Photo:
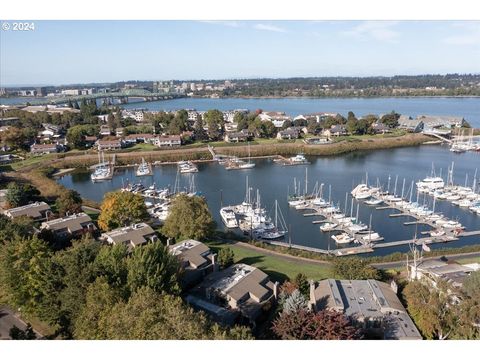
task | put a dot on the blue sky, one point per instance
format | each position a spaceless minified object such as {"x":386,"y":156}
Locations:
{"x":65,"y":52}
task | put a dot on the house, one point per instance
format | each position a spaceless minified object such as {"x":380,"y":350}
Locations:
{"x":318,"y":116}
{"x":105,"y":130}
{"x":289,"y":133}
{"x":196,"y":260}
{"x":40,"y":149}
{"x":335,"y":130}
{"x":432,"y":271}
{"x":131,"y":236}
{"x":90,"y":140}
{"x":136,"y":138}
{"x":238,"y":136}
{"x":380,"y":128}
{"x":437,"y":121}
{"x":167,"y":141}
{"x":70,"y":226}
{"x":240,"y":291}
{"x":370,"y":305}
{"x":411,"y":125}
{"x":231,"y":127}
{"x":119,"y":131}
{"x":109,"y":144}
{"x":35,"y":211}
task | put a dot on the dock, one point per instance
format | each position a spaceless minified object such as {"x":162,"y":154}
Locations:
{"x":298,"y":247}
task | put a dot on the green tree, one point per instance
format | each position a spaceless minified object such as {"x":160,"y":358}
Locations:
{"x":354,"y":268}
{"x":21,"y":194}
{"x":189,"y":218}
{"x":19,"y":334}
{"x":111,"y":262}
{"x":121,"y":208}
{"x":226,"y":257}
{"x":198,"y":130}
{"x":152,"y":265}
{"x":215,"y":123}
{"x":70,"y":202}
{"x":13,"y":137}
{"x":302,"y":284}
{"x":391,"y":120}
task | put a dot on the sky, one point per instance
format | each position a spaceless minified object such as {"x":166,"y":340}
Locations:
{"x":67,"y":52}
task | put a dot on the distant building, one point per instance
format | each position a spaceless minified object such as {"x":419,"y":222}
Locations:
{"x":70,"y":226}
{"x":238,"y":292}
{"x":105,"y":130}
{"x":370,"y":305}
{"x":238,"y":136}
{"x":131,"y":236}
{"x":436,"y":121}
{"x":380,"y":128}
{"x":40,"y":149}
{"x":35,"y":211}
{"x":116,"y":144}
{"x":411,"y":125}
{"x":135,"y":138}
{"x":196,"y":260}
{"x":288,"y":134}
{"x":335,"y":130}
{"x":167,"y":141}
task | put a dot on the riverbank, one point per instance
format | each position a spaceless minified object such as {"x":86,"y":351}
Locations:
{"x":350,"y":144}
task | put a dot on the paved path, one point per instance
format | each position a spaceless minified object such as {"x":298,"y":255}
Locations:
{"x":8,"y":319}
{"x":394,"y":264}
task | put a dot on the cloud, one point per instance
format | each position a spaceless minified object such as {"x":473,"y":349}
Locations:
{"x":470,"y":34}
{"x":229,"y":23}
{"x":267,"y":27}
{"x":378,"y":30}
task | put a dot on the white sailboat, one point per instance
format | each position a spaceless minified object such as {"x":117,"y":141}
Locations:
{"x":144,"y":169}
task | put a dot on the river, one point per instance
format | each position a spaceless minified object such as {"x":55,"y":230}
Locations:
{"x":340,"y":172}
{"x":468,"y":107}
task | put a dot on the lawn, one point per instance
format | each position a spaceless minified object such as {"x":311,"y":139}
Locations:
{"x":277,"y":268}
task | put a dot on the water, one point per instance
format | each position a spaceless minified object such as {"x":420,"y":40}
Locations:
{"x":468,"y":107}
{"x":341,"y":172}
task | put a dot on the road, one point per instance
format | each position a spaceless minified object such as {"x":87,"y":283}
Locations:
{"x":8,"y":319}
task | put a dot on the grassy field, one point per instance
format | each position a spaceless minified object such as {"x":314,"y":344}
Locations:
{"x":278,"y":268}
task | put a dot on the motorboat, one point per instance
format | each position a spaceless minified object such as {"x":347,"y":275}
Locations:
{"x":186,"y":167}
{"x":371,"y":237}
{"x":437,"y":233}
{"x":143,"y":169}
{"x":328,"y":227}
{"x":298,"y":159}
{"x":343,"y":238}
{"x":228,"y":216}
{"x":374,"y":201}
{"x":431,"y":183}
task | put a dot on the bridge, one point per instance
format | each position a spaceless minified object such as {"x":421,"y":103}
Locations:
{"x":438,"y":134}
{"x":123,"y":95}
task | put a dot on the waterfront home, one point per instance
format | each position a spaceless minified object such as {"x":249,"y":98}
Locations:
{"x":167,"y":141}
{"x":40,"y":149}
{"x":238,"y":136}
{"x":36,"y":211}
{"x":136,"y":138}
{"x":380,"y":128}
{"x":370,"y":305}
{"x":196,"y":260}
{"x":240,"y":292}
{"x":119,"y":131}
{"x":278,"y":118}
{"x":90,"y":140}
{"x":131,"y":236}
{"x":288,"y":133}
{"x":105,"y":130}
{"x":318,"y":116}
{"x":440,"y":121}
{"x":335,"y":130}
{"x":231,"y":127}
{"x":71,"y":226}
{"x":229,"y":115}
{"x":432,"y":271}
{"x":411,"y":125}
{"x":115,"y":144}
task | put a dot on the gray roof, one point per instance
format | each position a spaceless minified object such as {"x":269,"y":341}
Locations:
{"x":134,"y":235}
{"x":193,"y":253}
{"x":71,"y":223}
{"x":35,"y":210}
{"x":366,"y":299}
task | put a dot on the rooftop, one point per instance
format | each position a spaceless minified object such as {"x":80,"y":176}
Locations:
{"x":73,"y":223}
{"x":33,"y":210}
{"x":132,"y":236}
{"x":194,"y":253}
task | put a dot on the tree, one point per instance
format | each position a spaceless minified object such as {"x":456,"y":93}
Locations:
{"x":226,"y":257}
{"x":76,"y":135}
{"x":189,"y":218}
{"x":306,"y":325}
{"x":70,"y":202}
{"x":111,"y":263}
{"x":391,"y":120}
{"x":121,"y":208}
{"x":215,"y":122}
{"x":13,"y":137}
{"x":295,"y":302}
{"x":21,"y":194}
{"x":153,"y":266}
{"x":198,"y":130}
{"x":18,"y":334}
{"x":430,"y":309}
{"x":354,"y":268}
{"x":471,"y":285}
{"x":302,"y":284}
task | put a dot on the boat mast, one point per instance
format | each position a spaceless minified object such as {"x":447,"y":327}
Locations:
{"x":403,"y":187}
{"x":276,"y":205}
{"x":395,"y":189}
{"x":306,"y":181}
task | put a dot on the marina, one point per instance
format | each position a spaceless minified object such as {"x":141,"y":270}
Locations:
{"x":227,"y":188}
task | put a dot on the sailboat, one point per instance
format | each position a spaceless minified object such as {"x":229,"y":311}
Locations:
{"x":144,"y":169}
{"x":278,"y":231}
{"x":103,"y":170}
{"x":238,"y":164}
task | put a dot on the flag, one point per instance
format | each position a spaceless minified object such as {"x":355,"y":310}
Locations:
{"x":425,"y":247}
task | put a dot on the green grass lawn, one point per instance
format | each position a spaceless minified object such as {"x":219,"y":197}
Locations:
{"x":32,"y":161}
{"x":277,"y":268}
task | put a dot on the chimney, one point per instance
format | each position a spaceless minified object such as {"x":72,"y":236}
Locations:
{"x":214,"y":264}
{"x":168,"y":242}
{"x":394,"y":286}
{"x":312,"y":295}
{"x":275,"y":290}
